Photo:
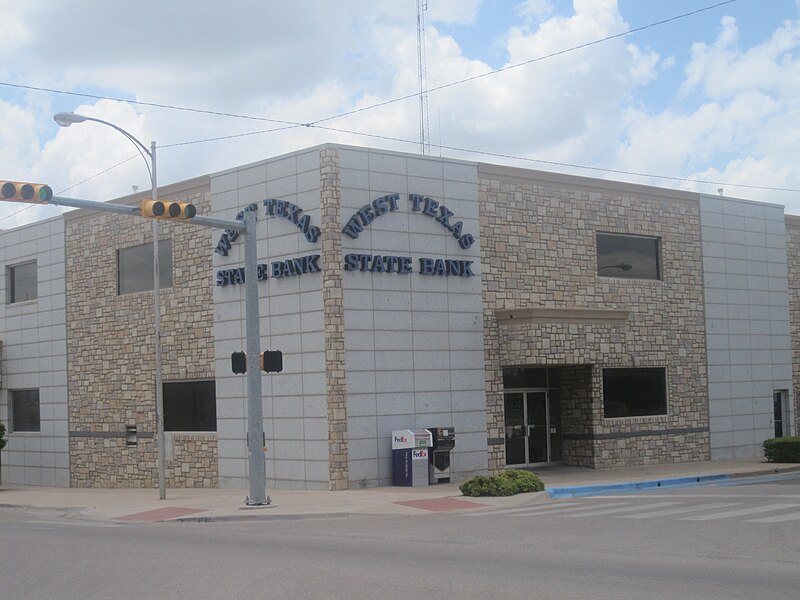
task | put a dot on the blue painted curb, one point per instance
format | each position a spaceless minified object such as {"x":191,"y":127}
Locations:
{"x":610,"y":488}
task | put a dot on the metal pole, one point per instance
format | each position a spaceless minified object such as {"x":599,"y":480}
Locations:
{"x":255,"y":410}
{"x":162,"y":490}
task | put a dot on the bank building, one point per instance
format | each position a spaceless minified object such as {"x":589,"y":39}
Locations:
{"x":540,"y":318}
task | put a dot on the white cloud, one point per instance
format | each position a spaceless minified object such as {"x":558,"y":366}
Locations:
{"x":535,"y":10}
{"x":745,"y":129}
{"x":301,"y":64}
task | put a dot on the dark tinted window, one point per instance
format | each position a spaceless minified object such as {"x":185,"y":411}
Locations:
{"x":631,"y":256}
{"x":634,"y":392}
{"x":135,"y":267}
{"x":25,"y":410}
{"x":530,"y":377}
{"x":22,"y":283}
{"x":190,"y":406}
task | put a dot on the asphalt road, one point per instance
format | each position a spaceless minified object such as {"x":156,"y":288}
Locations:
{"x":707,"y":542}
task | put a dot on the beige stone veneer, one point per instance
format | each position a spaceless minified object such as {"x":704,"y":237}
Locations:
{"x":110,"y":348}
{"x":538,"y":239}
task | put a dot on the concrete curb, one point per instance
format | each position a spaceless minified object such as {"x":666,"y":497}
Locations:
{"x":261,"y":517}
{"x":609,"y":488}
{"x":776,"y":470}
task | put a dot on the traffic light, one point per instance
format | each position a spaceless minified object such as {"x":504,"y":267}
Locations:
{"x":35,"y":193}
{"x":239,"y":363}
{"x":167,"y":209}
{"x":272,"y":361}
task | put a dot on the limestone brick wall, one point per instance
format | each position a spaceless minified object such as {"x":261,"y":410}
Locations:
{"x":333,"y":308}
{"x":194,"y":463}
{"x":793,"y":264}
{"x":110,"y":348}
{"x":539,"y":252}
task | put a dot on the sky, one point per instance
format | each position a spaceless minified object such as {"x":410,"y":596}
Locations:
{"x":629,"y":90}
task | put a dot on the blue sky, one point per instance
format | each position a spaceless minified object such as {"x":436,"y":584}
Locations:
{"x":707,"y":101}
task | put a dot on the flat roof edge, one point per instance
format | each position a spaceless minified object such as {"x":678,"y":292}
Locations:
{"x":522,"y":174}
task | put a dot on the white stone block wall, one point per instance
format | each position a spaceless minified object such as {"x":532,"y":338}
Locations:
{"x":33,"y":335}
{"x":413,"y":342}
{"x":294,"y":404}
{"x":747,"y":321}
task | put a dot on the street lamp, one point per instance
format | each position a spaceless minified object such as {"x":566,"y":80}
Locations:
{"x":65,"y":119}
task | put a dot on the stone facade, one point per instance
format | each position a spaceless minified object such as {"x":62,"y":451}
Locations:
{"x":110,"y":342}
{"x":368,"y":351}
{"x":544,"y":305}
{"x":333,"y":307}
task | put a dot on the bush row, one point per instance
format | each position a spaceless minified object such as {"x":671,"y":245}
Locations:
{"x":507,"y":483}
{"x":783,"y":449}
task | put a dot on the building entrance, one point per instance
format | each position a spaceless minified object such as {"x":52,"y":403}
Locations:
{"x":533,"y":427}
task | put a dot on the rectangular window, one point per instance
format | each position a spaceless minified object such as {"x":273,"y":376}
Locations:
{"x":638,"y":392}
{"x":25,"y":410}
{"x":135,"y":267}
{"x":629,"y":256}
{"x":779,"y":415}
{"x":22,"y":282}
{"x":190,"y":406}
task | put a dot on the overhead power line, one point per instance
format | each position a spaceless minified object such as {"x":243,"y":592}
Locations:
{"x":559,"y":164}
{"x":378,"y":104}
{"x":316,"y":124}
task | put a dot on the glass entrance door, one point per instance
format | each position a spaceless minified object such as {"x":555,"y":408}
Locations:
{"x":536,"y":407}
{"x":516,"y":435}
{"x":533,"y":427}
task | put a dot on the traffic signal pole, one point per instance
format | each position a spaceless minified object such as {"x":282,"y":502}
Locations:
{"x":255,"y":412}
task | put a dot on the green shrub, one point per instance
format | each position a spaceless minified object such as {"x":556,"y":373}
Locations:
{"x":507,"y":483}
{"x":2,"y":435}
{"x":783,"y":449}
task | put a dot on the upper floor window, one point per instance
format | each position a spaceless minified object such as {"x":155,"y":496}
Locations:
{"x":22,"y":282}
{"x":135,"y":267}
{"x":25,"y":410}
{"x":631,"y":256}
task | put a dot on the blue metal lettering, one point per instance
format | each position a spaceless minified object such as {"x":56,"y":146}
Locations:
{"x":426,"y":266}
{"x":430,"y":207}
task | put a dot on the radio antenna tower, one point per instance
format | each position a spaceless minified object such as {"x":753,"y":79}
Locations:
{"x":424,"y":129}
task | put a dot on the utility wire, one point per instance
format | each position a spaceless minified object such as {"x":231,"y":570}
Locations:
{"x":151,"y":104}
{"x":556,"y":163}
{"x":527,"y":62}
{"x":316,"y":124}
{"x":379,"y":104}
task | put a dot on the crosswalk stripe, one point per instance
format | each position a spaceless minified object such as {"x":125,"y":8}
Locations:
{"x":740,"y":512}
{"x":619,"y":509}
{"x":516,"y":511}
{"x":678,"y":511}
{"x":542,"y":510}
{"x":777,"y":519}
{"x":549,"y":510}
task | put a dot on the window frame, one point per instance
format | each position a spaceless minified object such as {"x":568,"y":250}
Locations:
{"x":169,"y":388}
{"x":12,"y":282}
{"x":624,"y":268}
{"x":15,"y":396}
{"x":165,"y":262}
{"x":664,"y":380}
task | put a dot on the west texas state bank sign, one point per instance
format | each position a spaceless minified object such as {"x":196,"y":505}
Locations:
{"x":361,"y":219}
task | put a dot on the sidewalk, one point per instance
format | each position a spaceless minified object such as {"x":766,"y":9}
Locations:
{"x":143,"y":505}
